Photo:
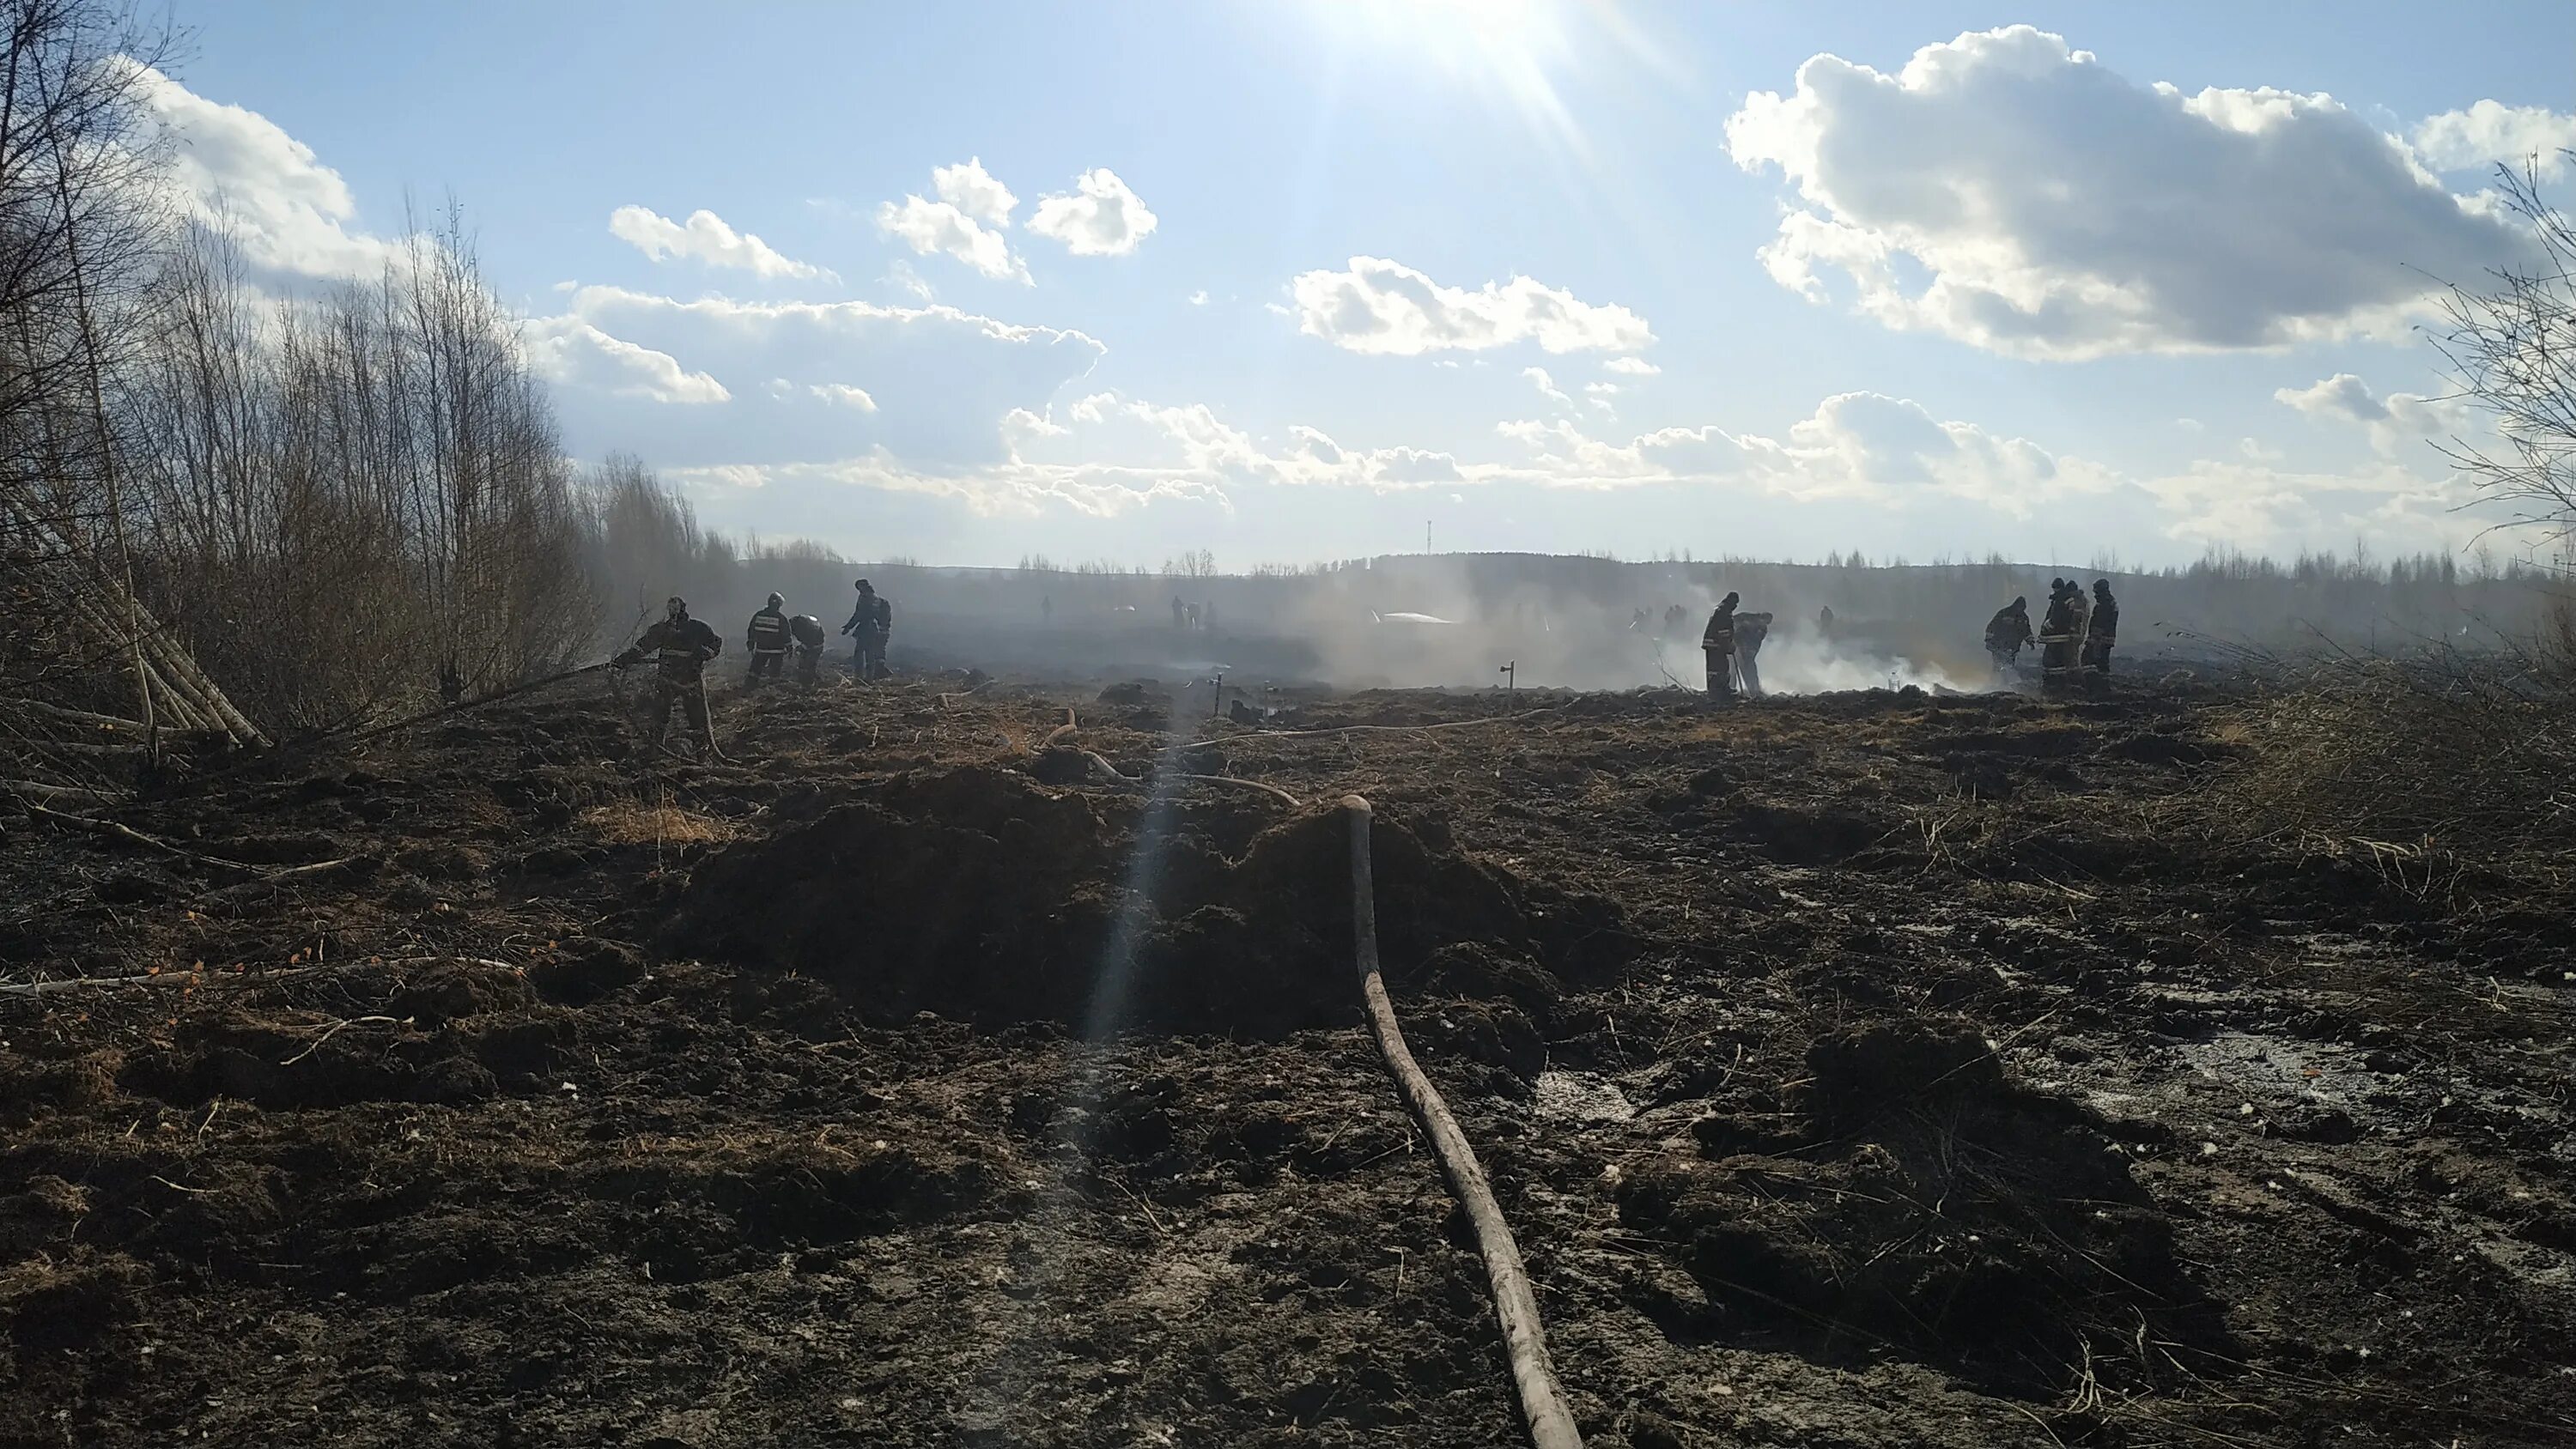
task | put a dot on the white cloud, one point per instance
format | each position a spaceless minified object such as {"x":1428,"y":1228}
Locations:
{"x":1199,"y":298}
{"x":2260,"y":507}
{"x":2389,"y":420}
{"x":1631,"y":367}
{"x":2013,"y":193}
{"x":901,"y":276}
{"x":289,"y":214}
{"x":1601,"y":389}
{"x":841,"y":394}
{"x":1106,"y":456}
{"x":972,"y":190}
{"x":1101,"y":217}
{"x":705,"y":238}
{"x":571,"y":352}
{"x":956,"y":225}
{"x":1384,"y":307}
{"x":2491,"y":132}
{"x":1546,"y":385}
{"x":942,"y":380}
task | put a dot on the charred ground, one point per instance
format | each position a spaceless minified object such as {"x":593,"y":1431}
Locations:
{"x":1866,"y":1069}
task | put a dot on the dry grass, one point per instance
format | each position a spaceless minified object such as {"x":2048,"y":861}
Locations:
{"x":629,"y":822}
{"x":2469,"y":758}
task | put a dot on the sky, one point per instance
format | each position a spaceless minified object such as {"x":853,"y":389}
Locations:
{"x":1319,"y":279}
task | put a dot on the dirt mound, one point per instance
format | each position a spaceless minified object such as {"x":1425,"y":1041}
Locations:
{"x":980,"y":895}
{"x":1916,"y":1200}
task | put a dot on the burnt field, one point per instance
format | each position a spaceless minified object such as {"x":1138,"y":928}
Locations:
{"x":1862,"y":1069}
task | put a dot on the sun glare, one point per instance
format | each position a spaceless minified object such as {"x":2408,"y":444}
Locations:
{"x":1505,"y":49}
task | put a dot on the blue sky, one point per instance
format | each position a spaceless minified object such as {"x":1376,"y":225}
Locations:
{"x":2088,"y":317}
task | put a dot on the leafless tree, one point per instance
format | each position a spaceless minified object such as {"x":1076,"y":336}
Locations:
{"x":2511,"y":346}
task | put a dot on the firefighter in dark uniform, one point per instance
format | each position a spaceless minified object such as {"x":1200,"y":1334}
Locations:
{"x":884,"y":633}
{"x":1750,"y":631}
{"x":862,"y":630}
{"x":807,"y":631}
{"x":2057,"y":630}
{"x":767,"y":640}
{"x":2007,"y":634}
{"x":2105,"y":631}
{"x":1717,"y":646}
{"x":682,"y":646}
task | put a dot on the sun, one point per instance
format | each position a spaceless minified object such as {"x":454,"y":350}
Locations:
{"x":1507,"y":49}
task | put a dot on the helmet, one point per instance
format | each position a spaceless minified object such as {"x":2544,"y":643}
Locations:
{"x":777,"y":601}
{"x":675,"y":606}
{"x":2101,"y":586}
{"x":863,"y":587}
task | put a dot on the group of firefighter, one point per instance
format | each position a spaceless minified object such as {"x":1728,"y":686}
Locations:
{"x":1732,"y":643}
{"x":2074,"y":637}
{"x":682,"y":646}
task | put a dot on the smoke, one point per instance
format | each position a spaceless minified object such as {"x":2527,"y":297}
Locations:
{"x":1556,"y":626}
{"x":1554,"y":622}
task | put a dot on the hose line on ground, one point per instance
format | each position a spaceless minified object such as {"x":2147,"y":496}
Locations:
{"x":1551,"y":1423}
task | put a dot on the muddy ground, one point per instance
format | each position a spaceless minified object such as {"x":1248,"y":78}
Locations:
{"x":1869,"y":1069}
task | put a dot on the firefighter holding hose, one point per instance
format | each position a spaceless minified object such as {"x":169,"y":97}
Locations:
{"x":1717,"y":647}
{"x":681,"y":646}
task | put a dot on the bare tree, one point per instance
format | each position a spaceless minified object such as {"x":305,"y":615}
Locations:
{"x":356,"y":493}
{"x":2511,"y":346}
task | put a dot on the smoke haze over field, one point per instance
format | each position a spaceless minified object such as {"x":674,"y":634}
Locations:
{"x":1567,"y":622}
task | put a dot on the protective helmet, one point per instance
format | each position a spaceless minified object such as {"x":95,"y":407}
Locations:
{"x":675,"y":606}
{"x":863,"y":587}
{"x":1731,"y":596}
{"x":777,"y":601}
{"x":2101,"y":586}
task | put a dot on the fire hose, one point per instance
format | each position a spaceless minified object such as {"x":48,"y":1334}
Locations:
{"x":1543,"y":1406}
{"x":1542,"y":1399}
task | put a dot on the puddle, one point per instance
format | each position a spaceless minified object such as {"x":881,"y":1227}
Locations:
{"x":1581,"y":1097}
{"x":2281,"y":1066}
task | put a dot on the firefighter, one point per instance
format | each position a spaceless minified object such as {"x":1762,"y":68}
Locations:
{"x":1676,"y":619}
{"x":1717,"y":646}
{"x":807,"y":631}
{"x":2056,"y":630}
{"x":683,"y":646}
{"x":1750,"y":631}
{"x":2104,"y":631}
{"x":2008,"y":633}
{"x":878,"y":636}
{"x":767,"y":639}
{"x":862,"y":629}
